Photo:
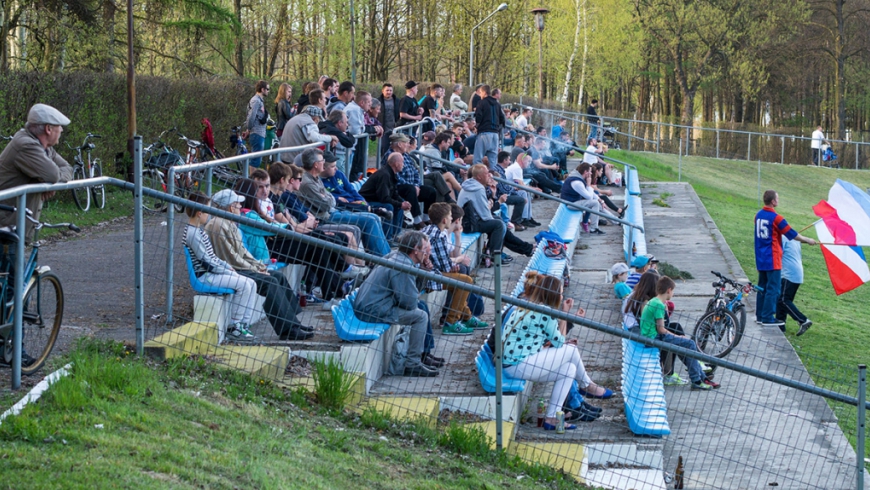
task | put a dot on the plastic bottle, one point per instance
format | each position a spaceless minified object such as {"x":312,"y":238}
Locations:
{"x":541,"y":407}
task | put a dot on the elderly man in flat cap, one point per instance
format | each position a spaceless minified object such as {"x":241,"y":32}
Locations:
{"x":30,"y":158}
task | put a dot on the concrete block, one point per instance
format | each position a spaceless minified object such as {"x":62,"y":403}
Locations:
{"x":190,"y":338}
{"x":211,"y":309}
{"x":260,"y":361}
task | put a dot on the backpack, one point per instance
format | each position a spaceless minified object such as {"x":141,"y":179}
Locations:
{"x":471,"y":219}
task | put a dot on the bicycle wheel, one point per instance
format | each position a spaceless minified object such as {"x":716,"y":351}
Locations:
{"x":717,"y":333}
{"x":181,"y":190}
{"x":98,"y":191}
{"x":82,"y":195}
{"x":43,"y":314}
{"x":151,"y":179}
{"x":740,"y":313}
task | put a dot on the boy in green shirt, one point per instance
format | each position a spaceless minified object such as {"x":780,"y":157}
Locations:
{"x":652,"y":325}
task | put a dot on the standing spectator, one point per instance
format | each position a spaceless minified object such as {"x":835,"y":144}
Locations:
{"x":283,"y":108}
{"x":558,"y":128}
{"x":389,"y":116}
{"x":593,"y":120}
{"x":30,"y":158}
{"x":792,"y":278}
{"x":456,"y":103}
{"x":330,"y":89}
{"x":476,"y":97}
{"x":256,"y":120}
{"x":818,"y":139}
{"x":523,"y":120}
{"x":490,"y":120}
{"x":302,"y":129}
{"x":769,"y":229}
{"x":409,"y":111}
{"x":382,"y":190}
{"x":346,"y":92}
{"x":356,"y":118}
{"x":336,"y":125}
{"x":390,"y":296}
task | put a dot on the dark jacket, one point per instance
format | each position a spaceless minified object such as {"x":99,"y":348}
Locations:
{"x":383,"y":113}
{"x":489,"y":116}
{"x":383,"y":187}
{"x":344,"y":139}
{"x":301,"y":102}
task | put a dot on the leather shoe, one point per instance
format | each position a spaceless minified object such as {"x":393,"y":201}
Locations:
{"x":420,"y":371}
{"x":532,"y":223}
{"x":296,"y":334}
{"x":432,"y":362}
{"x":518,"y":226}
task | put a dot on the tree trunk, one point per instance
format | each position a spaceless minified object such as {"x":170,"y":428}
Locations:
{"x":240,"y":47}
{"x":570,"y":70}
{"x":583,"y":61}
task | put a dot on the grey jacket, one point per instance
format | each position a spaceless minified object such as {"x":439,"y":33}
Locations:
{"x":256,"y":113}
{"x":313,"y":194}
{"x":385,"y":291}
{"x":474,"y":192}
{"x":300,"y":130}
{"x":24,"y":161}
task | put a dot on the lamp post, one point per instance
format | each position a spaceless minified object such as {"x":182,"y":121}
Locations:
{"x":471,"y":51}
{"x":539,"y":23}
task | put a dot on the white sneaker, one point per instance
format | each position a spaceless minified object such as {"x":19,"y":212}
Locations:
{"x":355,"y":271}
{"x":239,"y":332}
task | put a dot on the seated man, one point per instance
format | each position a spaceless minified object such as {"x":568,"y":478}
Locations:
{"x":281,"y":303}
{"x":321,"y":202}
{"x":448,"y":260}
{"x":436,"y":146}
{"x":390,"y":296}
{"x":301,"y":129}
{"x":576,"y":190}
{"x":479,"y":219}
{"x":410,"y":185}
{"x":382,"y":190}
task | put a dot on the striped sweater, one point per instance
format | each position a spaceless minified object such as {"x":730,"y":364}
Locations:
{"x":201,"y":252}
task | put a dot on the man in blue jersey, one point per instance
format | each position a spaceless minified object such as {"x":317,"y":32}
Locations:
{"x":770,"y":227}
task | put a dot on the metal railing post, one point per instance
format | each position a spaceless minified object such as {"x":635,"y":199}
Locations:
{"x":499,"y":413}
{"x":856,"y":156}
{"x":629,"y":135}
{"x":170,"y":241}
{"x":862,"y":412}
{"x":680,"y":164}
{"x":782,"y":152}
{"x":717,"y":142}
{"x":138,"y":256}
{"x":749,"y":148}
{"x":18,"y":317}
{"x":209,"y":174}
{"x":658,"y":136}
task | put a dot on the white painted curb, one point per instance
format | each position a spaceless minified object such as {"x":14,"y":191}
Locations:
{"x":36,"y":392}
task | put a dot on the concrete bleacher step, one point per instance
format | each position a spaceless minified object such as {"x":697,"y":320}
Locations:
{"x":406,"y":408}
{"x":190,"y":338}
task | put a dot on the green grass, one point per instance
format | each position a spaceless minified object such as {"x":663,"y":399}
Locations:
{"x":62,"y":208}
{"x":121,"y":422}
{"x":729,"y":189}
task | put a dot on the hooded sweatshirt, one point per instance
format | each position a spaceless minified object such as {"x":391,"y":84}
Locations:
{"x":474,"y":192}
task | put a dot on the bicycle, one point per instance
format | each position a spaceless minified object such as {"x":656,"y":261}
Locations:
{"x":91,"y":169}
{"x":42,"y":299}
{"x":721,"y":327}
{"x":161,"y":157}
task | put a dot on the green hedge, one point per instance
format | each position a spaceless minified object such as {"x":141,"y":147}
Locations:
{"x":97,"y":103}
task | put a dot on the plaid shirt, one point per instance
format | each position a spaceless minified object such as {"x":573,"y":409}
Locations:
{"x":502,"y":187}
{"x":440,"y":257}
{"x":409,"y":174}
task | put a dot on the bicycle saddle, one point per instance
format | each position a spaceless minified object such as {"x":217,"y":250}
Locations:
{"x":8,"y":235}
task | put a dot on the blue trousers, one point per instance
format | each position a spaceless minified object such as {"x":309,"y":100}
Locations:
{"x":765,"y":304}
{"x":370,"y":227}
{"x":257,"y":143}
{"x":695,"y":372}
{"x":391,"y":229}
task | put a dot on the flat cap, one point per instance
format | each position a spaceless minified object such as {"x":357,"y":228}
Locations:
{"x":399,"y":137}
{"x":46,"y":114}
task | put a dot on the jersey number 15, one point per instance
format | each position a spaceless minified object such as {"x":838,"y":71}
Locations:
{"x":762,"y":229}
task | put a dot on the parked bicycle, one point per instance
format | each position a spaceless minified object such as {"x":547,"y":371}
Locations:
{"x":43,"y":299}
{"x":87,"y":170}
{"x":159,"y":157}
{"x":721,"y":328}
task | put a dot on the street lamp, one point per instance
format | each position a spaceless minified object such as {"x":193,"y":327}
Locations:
{"x":501,"y":7}
{"x":539,"y":23}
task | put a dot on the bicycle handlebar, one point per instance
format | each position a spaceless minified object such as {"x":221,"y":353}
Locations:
{"x":39,"y":224}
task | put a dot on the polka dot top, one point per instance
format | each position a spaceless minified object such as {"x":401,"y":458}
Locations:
{"x":527,"y":331}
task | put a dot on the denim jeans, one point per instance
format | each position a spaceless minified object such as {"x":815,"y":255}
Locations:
{"x":370,"y":226}
{"x":695,"y":372}
{"x":765,"y":304}
{"x":393,"y":228}
{"x":429,"y":340}
{"x":486,"y":145}
{"x":257,"y":143}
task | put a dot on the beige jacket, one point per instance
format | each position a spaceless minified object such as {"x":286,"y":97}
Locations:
{"x":24,"y":161}
{"x":226,"y":240}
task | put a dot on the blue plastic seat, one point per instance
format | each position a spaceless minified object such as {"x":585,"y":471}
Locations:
{"x":633,"y":181}
{"x":486,"y":373}
{"x":643,"y":390}
{"x":566,"y":223}
{"x":199,"y":286}
{"x":352,"y":329}
{"x":359,"y":183}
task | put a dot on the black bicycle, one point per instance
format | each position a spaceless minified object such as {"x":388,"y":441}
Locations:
{"x":721,"y":328}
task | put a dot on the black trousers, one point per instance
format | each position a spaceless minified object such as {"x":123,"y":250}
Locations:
{"x":359,"y":164}
{"x":324,"y":266}
{"x":281,"y":303}
{"x":519,"y":205}
{"x":785,"y":305}
{"x":427,"y":196}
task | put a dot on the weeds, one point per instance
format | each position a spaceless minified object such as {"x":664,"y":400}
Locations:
{"x":673,"y":272}
{"x":333,"y":386}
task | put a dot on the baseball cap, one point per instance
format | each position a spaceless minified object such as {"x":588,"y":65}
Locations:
{"x":618,"y":268}
{"x":640,"y":261}
{"x":329,"y":156}
{"x":46,"y":114}
{"x":653,"y":259}
{"x":399,"y":137}
{"x":226,"y":197}
{"x":410,"y":84}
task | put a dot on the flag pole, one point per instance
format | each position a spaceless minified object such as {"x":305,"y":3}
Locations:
{"x":805,"y":228}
